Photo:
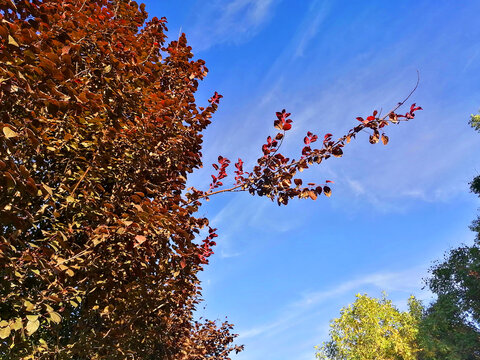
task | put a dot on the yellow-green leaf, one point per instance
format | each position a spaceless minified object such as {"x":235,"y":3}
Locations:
{"x":28,"y":305}
{"x":32,"y":317}
{"x":9,"y":133}
{"x":4,"y":331}
{"x":32,"y":326}
{"x":48,"y":189}
{"x":17,"y":324}
{"x":11,"y":41}
{"x":56,"y":318}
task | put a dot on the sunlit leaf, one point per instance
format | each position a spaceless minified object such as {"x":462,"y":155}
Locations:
{"x":9,"y":133}
{"x":32,"y":326}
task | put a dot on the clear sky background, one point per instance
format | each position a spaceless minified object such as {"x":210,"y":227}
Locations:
{"x":281,"y":273}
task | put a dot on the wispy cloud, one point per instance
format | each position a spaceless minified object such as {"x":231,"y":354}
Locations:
{"x":408,"y":281}
{"x":310,"y":26}
{"x":238,"y":214}
{"x":229,"y":21}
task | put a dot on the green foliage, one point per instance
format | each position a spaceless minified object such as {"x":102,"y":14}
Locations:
{"x":475,"y":188}
{"x":444,"y":333}
{"x":475,"y":121}
{"x":451,"y":327}
{"x":458,"y":278}
{"x":373,"y":329}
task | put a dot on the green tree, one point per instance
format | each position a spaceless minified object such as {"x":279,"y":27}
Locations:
{"x":445,"y":333}
{"x":373,"y":329}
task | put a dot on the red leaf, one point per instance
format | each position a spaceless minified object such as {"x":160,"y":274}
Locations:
{"x":329,"y":181}
{"x":216,"y":98}
{"x":413,"y":108}
{"x":306,"y":140}
{"x":287,"y":127}
{"x":239,"y":164}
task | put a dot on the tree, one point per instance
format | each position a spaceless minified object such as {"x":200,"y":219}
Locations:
{"x":445,"y":334}
{"x":100,"y":246}
{"x":374,"y":329}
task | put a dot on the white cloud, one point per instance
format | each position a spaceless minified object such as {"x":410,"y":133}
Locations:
{"x":229,"y":22}
{"x":309,"y":28}
{"x":406,"y":282}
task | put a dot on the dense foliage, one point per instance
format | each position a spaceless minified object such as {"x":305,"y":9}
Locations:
{"x":373,"y":329}
{"x":100,"y":129}
{"x":100,"y":246}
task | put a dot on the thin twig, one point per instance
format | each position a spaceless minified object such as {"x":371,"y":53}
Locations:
{"x":74,"y":257}
{"x":81,"y":179}
{"x":404,"y":100}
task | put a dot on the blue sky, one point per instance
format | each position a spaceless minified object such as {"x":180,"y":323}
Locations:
{"x":281,"y":273}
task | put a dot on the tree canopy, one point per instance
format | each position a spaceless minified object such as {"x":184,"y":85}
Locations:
{"x":373,"y":329}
